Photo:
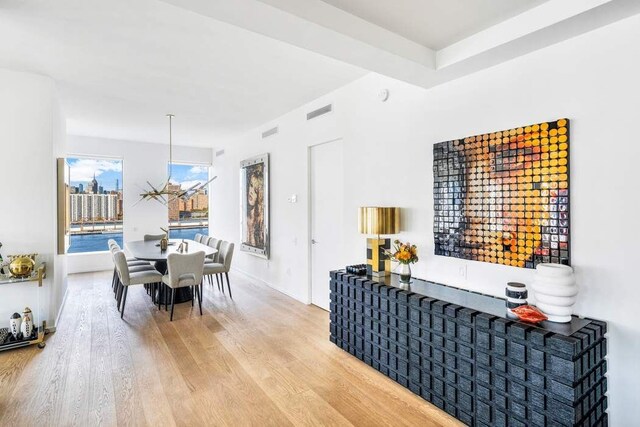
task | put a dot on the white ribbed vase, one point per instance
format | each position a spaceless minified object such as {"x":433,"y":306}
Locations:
{"x":555,"y":290}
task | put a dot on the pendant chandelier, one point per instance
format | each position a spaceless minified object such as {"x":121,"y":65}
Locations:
{"x":166,"y":194}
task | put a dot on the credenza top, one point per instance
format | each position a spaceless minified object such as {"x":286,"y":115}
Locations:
{"x":467,"y":299}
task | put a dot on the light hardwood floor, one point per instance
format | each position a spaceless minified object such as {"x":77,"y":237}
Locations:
{"x":260,"y":359}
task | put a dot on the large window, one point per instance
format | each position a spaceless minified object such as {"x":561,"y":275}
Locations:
{"x":95,"y":203}
{"x":189,"y":215}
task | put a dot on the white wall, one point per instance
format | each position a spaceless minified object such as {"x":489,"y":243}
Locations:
{"x":32,"y":132}
{"x":592,"y":80}
{"x":141,"y":162}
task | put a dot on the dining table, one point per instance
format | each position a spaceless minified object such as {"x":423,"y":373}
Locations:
{"x":149,"y":250}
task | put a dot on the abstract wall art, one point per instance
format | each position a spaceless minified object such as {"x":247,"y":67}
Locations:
{"x":254,"y":196}
{"x":503,"y":197}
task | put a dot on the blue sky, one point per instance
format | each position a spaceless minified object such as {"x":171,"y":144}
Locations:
{"x":188,"y":175}
{"x":107,"y":171}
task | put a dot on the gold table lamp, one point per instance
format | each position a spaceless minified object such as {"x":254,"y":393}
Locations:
{"x":377,"y":221}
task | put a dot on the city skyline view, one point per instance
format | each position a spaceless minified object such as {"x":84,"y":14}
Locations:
{"x":96,"y":193}
{"x":107,"y":172}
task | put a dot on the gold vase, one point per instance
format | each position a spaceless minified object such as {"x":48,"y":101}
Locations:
{"x":22,"y":265}
{"x":164,"y":244}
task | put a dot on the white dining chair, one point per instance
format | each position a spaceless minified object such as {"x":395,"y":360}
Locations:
{"x":198,"y":237}
{"x":133,"y":263}
{"x":129,"y":278}
{"x":215,"y":244}
{"x":150,"y":237}
{"x":135,"y":266}
{"x":221,"y":268}
{"x":185,"y":270}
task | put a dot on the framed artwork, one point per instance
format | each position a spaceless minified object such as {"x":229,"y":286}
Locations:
{"x":254,"y":210}
{"x":503,"y":197}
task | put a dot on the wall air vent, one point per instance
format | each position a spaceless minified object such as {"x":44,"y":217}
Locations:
{"x":320,"y":111}
{"x":268,"y":133}
{"x":219,"y":153}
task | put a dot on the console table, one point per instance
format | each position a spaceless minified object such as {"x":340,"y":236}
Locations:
{"x":458,"y":350}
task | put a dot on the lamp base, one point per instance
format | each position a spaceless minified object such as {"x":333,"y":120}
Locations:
{"x":378,"y":264}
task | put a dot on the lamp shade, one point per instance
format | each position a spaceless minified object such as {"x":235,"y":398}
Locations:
{"x":379,"y":220}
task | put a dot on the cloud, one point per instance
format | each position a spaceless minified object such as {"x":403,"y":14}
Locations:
{"x":198,"y":170}
{"x":185,"y":185}
{"x":82,"y":170}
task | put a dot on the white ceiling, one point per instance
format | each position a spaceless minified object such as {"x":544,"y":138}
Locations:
{"x":228,"y":66}
{"x":433,"y":23}
{"x":121,"y":65}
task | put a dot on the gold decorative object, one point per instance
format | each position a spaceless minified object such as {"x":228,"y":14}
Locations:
{"x":165,"y":194}
{"x":378,"y":220}
{"x":22,"y":265}
{"x":164,"y":242}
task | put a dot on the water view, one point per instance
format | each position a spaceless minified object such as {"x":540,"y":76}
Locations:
{"x":187,"y":233}
{"x":98,"y":242}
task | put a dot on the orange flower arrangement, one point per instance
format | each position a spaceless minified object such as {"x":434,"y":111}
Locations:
{"x":404,"y":253}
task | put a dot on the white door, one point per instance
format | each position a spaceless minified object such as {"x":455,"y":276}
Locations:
{"x":326,"y":174}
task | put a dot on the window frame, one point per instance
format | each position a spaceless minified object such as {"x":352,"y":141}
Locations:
{"x":122,"y":173}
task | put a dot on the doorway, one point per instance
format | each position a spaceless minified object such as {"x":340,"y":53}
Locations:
{"x":326,"y":182}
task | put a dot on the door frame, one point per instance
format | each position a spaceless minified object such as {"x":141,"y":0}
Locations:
{"x":310,"y":218}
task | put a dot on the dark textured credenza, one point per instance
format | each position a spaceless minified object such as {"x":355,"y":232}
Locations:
{"x":458,"y":350}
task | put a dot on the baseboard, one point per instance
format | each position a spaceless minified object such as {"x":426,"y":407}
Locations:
{"x":64,"y":301}
{"x":264,"y":282}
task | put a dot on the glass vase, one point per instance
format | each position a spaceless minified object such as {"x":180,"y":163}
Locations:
{"x":405,"y":273}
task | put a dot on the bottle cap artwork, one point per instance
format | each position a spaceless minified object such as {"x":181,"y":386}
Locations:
{"x":503,"y":197}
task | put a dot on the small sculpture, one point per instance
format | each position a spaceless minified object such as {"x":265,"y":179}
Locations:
{"x":22,"y":265}
{"x":530,"y":314}
{"x":27,"y":323}
{"x":14,"y":325}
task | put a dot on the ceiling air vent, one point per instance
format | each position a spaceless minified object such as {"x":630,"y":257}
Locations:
{"x":219,"y":153}
{"x":320,"y":111}
{"x":268,"y":133}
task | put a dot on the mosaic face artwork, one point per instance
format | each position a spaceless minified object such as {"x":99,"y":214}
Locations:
{"x":503,"y":197}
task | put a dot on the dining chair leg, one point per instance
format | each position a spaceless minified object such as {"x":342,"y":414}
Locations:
{"x":218,"y":281}
{"x":116,"y":287}
{"x":119,"y":295}
{"x":219,"y":275}
{"x":124,"y":301}
{"x":160,"y":286}
{"x":166,"y":298}
{"x":173,"y":299}
{"x":113,"y":280}
{"x":228,"y":284}
{"x":193,"y":295}
{"x":199,"y":290}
